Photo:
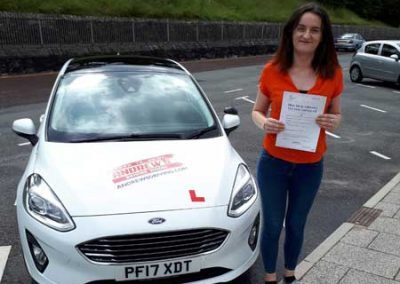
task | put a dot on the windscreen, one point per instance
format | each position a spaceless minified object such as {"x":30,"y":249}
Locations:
{"x":110,"y":104}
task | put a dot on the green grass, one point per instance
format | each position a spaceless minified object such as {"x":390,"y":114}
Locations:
{"x":228,"y":10}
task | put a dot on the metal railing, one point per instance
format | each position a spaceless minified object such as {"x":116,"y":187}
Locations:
{"x":38,"y":29}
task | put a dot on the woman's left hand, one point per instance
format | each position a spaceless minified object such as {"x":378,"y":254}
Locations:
{"x":329,"y":121}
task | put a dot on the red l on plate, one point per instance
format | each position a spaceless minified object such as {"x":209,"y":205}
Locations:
{"x":194,"y":197}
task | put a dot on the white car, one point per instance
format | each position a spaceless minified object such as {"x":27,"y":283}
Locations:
{"x":379,"y":60}
{"x":132,"y":177}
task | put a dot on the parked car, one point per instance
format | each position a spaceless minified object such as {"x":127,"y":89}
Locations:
{"x":132,"y":177}
{"x":377,"y":60}
{"x":349,"y":41}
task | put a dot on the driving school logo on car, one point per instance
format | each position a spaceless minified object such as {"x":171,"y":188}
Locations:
{"x":145,"y":169}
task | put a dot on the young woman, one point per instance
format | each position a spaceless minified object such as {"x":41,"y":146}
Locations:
{"x":306,"y":62}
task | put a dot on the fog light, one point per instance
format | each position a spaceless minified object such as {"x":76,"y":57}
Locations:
{"x":254,"y":232}
{"x":253,"y":236}
{"x":38,"y":255}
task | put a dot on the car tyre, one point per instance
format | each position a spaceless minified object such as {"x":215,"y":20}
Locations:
{"x":355,"y":74}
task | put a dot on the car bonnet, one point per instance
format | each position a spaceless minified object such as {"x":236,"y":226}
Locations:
{"x":130,"y":177}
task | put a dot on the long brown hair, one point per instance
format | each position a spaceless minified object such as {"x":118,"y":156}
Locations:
{"x":325,"y":59}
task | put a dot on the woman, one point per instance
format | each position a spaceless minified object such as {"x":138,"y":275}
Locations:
{"x":306,"y":62}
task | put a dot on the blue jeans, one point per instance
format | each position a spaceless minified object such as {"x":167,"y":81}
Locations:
{"x":285,"y":188}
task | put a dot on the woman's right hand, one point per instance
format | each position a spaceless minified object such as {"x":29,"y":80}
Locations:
{"x":272,"y":125}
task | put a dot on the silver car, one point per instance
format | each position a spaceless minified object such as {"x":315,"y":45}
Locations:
{"x":349,"y":41}
{"x":377,"y":60}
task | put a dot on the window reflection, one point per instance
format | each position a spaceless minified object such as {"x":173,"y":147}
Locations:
{"x":128,"y":102}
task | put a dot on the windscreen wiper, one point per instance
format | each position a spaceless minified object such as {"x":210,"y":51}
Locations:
{"x":130,"y":137}
{"x":198,"y":133}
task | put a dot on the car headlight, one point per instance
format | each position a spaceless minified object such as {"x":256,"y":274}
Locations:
{"x":244,"y":192}
{"x":43,"y":205}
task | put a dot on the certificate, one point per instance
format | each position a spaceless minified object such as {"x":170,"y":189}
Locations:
{"x":298,"y":113}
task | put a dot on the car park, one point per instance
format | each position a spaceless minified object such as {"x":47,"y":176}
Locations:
{"x":349,"y":41}
{"x":377,"y":60}
{"x":132,"y":177}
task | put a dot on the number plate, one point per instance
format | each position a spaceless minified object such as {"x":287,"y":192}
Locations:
{"x":158,"y":269}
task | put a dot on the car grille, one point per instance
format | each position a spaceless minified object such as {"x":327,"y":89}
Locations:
{"x":154,"y":246}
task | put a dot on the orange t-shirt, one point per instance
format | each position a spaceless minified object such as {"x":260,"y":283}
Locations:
{"x":272,"y":84}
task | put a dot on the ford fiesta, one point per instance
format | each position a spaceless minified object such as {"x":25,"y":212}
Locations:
{"x":132,"y":178}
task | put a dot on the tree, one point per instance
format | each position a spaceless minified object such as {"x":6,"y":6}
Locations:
{"x":386,"y":11}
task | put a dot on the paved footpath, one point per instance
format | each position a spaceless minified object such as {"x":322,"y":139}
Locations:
{"x":364,"y":250}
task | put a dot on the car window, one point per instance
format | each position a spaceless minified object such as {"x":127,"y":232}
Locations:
{"x":372,"y":48}
{"x":127,"y":102}
{"x":388,"y":50}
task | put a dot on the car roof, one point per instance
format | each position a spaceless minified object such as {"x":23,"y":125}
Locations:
{"x":349,"y":34}
{"x":118,"y":63}
{"x":384,"y":41}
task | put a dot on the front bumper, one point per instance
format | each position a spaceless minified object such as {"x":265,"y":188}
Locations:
{"x":68,"y":265}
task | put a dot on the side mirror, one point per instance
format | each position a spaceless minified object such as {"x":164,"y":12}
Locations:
{"x":231,"y":119}
{"x":231,"y":110}
{"x":395,"y":57}
{"x":25,"y":128}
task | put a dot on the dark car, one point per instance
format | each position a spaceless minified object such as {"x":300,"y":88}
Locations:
{"x":349,"y":42}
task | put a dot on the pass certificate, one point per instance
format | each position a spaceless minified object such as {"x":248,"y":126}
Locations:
{"x":298,"y":113}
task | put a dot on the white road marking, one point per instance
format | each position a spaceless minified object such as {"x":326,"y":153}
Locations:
{"x":24,"y":144}
{"x":366,"y":86}
{"x":233,"y":91}
{"x":332,"y":135}
{"x":397,"y":92}
{"x":373,"y":108}
{"x":379,"y":155}
{"x":4,"y":252}
{"x":246,"y":98}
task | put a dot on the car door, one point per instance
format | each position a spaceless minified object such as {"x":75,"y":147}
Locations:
{"x":371,"y":60}
{"x":389,"y":67}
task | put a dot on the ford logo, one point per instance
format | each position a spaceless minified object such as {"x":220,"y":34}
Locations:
{"x":157,"y":221}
